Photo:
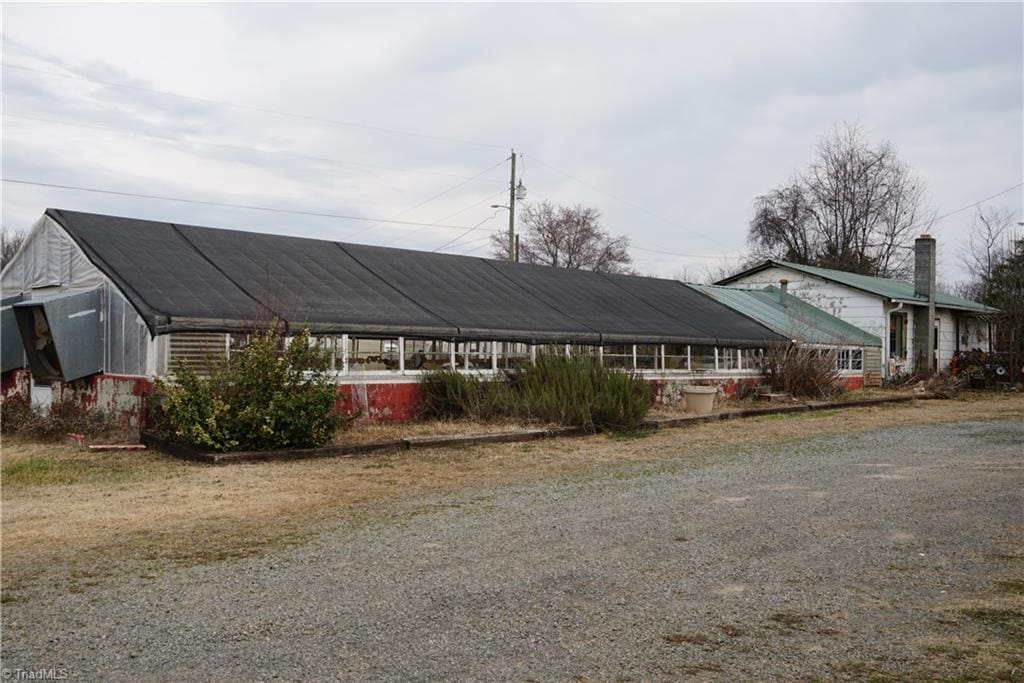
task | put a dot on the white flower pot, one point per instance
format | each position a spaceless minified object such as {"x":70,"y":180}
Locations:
{"x":700,"y":400}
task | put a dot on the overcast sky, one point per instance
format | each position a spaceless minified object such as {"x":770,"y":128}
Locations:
{"x":669,"y":119}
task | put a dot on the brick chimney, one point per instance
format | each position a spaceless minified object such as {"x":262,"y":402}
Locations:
{"x":924,"y":315}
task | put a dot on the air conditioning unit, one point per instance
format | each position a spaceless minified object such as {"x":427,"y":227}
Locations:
{"x":62,"y":335}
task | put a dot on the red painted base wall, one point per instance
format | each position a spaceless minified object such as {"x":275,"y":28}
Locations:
{"x":125,"y":395}
{"x":380,"y":402}
{"x":15,"y":383}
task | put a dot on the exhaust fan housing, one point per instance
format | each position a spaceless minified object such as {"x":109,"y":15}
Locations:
{"x":62,"y":335}
{"x":10,"y":339}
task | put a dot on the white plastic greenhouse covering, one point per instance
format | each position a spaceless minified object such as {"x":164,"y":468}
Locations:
{"x":48,"y":263}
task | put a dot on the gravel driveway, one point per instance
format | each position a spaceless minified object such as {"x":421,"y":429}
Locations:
{"x":808,"y":559}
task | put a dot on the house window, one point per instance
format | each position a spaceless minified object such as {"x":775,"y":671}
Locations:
{"x":898,"y":335}
{"x":843,"y":359}
{"x":857,"y":359}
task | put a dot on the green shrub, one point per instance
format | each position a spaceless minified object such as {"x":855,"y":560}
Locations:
{"x":576,"y":391}
{"x":262,"y":398}
{"x":64,"y":416}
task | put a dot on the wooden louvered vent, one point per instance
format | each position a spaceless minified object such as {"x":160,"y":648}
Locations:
{"x":197,"y":350}
{"x":873,"y":366}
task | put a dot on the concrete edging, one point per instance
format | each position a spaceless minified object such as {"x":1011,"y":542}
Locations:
{"x":683,"y":421}
{"x":355,"y":450}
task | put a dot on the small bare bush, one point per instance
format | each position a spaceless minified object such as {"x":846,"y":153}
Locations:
{"x":801,"y":371}
{"x":946,"y":386}
{"x":64,"y":416}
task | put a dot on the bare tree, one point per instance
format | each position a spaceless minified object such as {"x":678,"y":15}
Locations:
{"x":993,"y":256}
{"x":726,"y":266}
{"x":1005,"y":291}
{"x":990,"y":242}
{"x":10,"y":242}
{"x":856,"y":208}
{"x":567,"y":237}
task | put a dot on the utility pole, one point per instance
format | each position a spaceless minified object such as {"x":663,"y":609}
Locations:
{"x":512,"y":212}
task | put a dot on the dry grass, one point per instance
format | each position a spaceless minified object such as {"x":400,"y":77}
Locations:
{"x":388,"y":431}
{"x":793,"y":620}
{"x":75,"y":517}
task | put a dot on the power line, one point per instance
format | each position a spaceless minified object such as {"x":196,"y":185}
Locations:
{"x":476,"y":248}
{"x":449,"y":216}
{"x":675,"y":253}
{"x":977,"y":203}
{"x":463,"y":234}
{"x":432,"y":198}
{"x":249,"y":107}
{"x":250,"y":207}
{"x":237,"y":148}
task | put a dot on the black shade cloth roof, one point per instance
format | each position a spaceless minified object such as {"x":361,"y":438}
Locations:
{"x":471,"y":294}
{"x":312,"y":281}
{"x":703,"y":313}
{"x":188,"y":278}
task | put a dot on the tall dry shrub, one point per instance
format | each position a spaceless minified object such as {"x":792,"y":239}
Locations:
{"x":801,"y":371}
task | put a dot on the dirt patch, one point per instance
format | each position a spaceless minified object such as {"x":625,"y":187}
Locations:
{"x":686,"y":639}
{"x":795,"y":621}
{"x":732,"y":630}
{"x":66,"y":511}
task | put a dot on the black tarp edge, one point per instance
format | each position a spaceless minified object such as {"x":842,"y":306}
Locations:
{"x":150,"y":316}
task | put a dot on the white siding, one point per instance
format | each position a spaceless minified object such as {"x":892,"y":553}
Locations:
{"x":973,"y":334}
{"x":858,"y":308}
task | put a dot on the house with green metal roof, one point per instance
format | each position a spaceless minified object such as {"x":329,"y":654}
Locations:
{"x":920,"y":327}
{"x":858,"y":353}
